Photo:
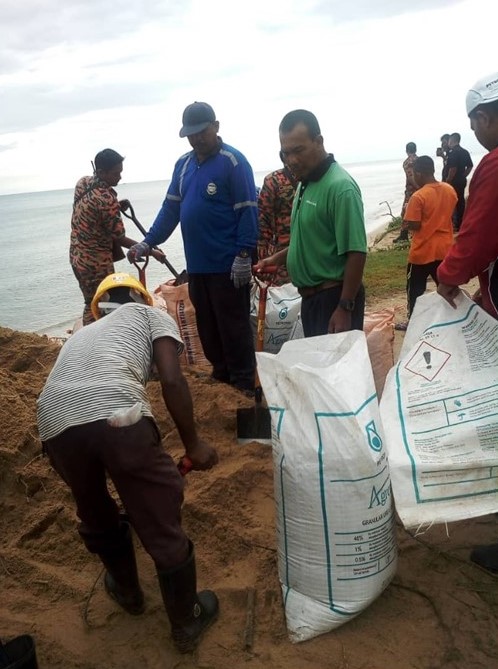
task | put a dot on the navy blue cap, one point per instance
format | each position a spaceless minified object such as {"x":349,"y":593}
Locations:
{"x":196,"y":118}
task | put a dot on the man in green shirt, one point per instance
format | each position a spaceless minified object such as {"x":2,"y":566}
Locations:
{"x":327,"y":250}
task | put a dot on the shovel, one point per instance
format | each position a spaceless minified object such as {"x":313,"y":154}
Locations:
{"x":179,"y":278}
{"x":254,"y":424}
{"x":141,"y":270}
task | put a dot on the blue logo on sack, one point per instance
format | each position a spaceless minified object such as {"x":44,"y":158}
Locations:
{"x":374,"y":440}
{"x":282,"y":314}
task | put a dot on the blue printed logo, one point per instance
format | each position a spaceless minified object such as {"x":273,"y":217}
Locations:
{"x":374,"y":440}
{"x":283,"y":313}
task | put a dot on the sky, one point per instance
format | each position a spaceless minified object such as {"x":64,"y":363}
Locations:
{"x":79,"y":76}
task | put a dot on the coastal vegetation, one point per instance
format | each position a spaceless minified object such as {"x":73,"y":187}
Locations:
{"x":385,"y":269}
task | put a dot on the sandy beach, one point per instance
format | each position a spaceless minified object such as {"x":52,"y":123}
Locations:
{"x":440,"y":610}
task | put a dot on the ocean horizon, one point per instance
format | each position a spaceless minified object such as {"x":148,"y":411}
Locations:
{"x":258,"y":176}
{"x":40,"y":292}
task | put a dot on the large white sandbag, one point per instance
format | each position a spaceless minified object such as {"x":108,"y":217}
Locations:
{"x":440,"y":414}
{"x":336,"y":541}
{"x":378,"y":327}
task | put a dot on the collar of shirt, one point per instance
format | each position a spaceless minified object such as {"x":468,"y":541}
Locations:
{"x":319,"y":171}
{"x":216,"y":150}
{"x":97,"y":182}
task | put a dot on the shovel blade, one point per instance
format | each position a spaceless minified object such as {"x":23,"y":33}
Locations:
{"x":181,"y":278}
{"x":254,"y":424}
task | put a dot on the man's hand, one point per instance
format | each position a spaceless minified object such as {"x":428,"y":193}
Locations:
{"x":241,"y":273}
{"x":449,"y":293}
{"x":269,"y":265}
{"x":266,"y":269}
{"x":340,"y":321}
{"x":124,"y":205}
{"x":202,"y":455}
{"x":158,"y":255}
{"x":138,"y":251}
{"x":262,"y":264}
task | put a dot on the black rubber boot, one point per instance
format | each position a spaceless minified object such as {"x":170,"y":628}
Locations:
{"x":189,"y":612}
{"x":121,"y":578}
{"x":486,"y":557}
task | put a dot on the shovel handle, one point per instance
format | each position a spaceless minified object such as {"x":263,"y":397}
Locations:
{"x":260,"y":333}
{"x":141,"y":270}
{"x":169,"y":266}
{"x":133,"y":218}
{"x":260,"y":338}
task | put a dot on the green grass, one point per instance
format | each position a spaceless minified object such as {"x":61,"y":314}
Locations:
{"x":385,"y":273}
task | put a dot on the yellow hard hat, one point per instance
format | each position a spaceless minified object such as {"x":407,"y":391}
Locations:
{"x":118,"y":280}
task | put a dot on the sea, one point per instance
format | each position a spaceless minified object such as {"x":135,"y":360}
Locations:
{"x":39,"y":291}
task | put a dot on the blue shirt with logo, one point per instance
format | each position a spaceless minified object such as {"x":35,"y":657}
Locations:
{"x":215,"y":203}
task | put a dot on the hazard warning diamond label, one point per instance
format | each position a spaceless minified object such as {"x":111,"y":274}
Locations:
{"x":427,"y":361}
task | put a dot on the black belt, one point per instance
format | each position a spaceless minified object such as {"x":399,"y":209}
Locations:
{"x":308,"y":291}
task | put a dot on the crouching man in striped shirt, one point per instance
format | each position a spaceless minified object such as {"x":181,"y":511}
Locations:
{"x":94,"y":418}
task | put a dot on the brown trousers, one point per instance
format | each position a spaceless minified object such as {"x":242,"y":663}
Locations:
{"x":146,"y":480}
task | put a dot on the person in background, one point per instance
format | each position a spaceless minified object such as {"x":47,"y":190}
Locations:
{"x":327,"y":249}
{"x":442,"y":152}
{"x":428,"y":217}
{"x":475,"y":251}
{"x":213,"y":194}
{"x":94,"y":418}
{"x":459,"y":166}
{"x":410,"y":186}
{"x":274,"y":208}
{"x":97,"y":230}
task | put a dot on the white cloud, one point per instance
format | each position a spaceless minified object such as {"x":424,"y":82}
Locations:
{"x":76,"y":77}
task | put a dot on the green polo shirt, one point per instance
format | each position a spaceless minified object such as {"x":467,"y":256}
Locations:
{"x":327,"y":222}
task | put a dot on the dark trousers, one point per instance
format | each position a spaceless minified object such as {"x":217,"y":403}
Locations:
{"x":222,"y":315}
{"x":144,"y":475}
{"x":317,"y":309}
{"x":416,"y":281}
{"x":460,"y":205}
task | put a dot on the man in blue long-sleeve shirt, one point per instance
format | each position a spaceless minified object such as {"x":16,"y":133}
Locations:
{"x":212,"y":193}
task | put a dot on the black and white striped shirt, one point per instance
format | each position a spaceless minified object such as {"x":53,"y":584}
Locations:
{"x":103,"y":367}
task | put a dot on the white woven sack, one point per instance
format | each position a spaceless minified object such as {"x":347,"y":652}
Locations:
{"x":440,"y":414}
{"x":283,"y":304}
{"x":335,"y":520}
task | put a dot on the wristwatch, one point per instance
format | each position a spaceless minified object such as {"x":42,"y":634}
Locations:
{"x":347,"y":305}
{"x":244,"y":253}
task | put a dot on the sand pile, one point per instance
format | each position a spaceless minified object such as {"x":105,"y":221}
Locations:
{"x":439,"y":612}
